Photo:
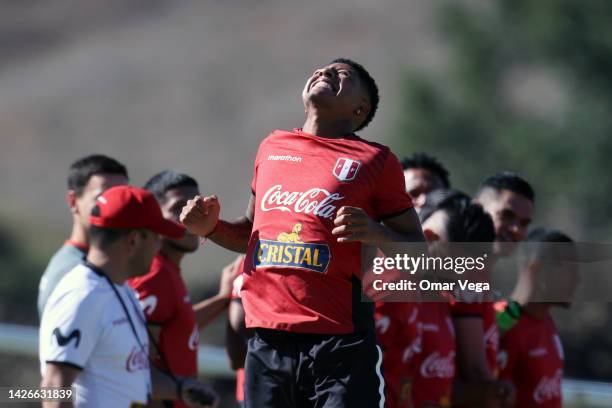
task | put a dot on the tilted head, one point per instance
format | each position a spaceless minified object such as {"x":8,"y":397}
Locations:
{"x":423,"y":173}
{"x":172,"y":190}
{"x":509,"y":199}
{"x":344,"y":90}
{"x":453,"y":217}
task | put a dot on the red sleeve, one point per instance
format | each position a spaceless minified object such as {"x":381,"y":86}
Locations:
{"x":390,"y":197}
{"x":256,"y":166}
{"x":157,"y":296}
{"x":508,"y":355}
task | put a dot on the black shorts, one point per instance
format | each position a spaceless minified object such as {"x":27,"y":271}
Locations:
{"x":293,"y":370}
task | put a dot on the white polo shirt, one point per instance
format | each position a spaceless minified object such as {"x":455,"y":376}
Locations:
{"x":84,"y":325}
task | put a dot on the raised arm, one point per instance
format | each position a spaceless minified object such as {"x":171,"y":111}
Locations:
{"x":201,"y":216}
{"x":209,"y":309}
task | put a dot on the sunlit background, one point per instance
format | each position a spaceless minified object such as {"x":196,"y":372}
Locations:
{"x":195,"y":85}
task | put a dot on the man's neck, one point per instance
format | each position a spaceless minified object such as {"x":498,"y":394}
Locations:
{"x":78,"y":235}
{"x":172,"y":255}
{"x":326,"y":127}
{"x":116,"y":271}
{"x":523,"y":295}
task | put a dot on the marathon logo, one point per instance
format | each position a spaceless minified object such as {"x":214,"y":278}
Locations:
{"x":290,"y":252}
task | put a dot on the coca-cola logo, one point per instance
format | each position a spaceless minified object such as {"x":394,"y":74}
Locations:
{"x":438,"y":366}
{"x":137,"y":360}
{"x":316,"y":201}
{"x":548,"y":388}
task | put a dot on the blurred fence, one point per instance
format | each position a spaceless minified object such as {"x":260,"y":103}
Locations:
{"x":213,"y":362}
{"x":23,"y":340}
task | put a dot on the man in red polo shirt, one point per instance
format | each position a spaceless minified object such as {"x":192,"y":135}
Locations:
{"x":317,"y":193}
{"x":531,"y":354}
{"x":173,"y":320}
{"x":453,"y":217}
{"x":398,"y":326}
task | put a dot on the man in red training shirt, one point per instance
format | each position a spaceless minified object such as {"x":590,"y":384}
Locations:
{"x":531,"y":354}
{"x":318,"y":192}
{"x":452,"y":217}
{"x":173,"y":320}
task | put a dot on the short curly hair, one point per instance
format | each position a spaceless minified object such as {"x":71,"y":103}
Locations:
{"x":369,"y":85}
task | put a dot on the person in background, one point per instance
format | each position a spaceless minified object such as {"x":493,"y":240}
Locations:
{"x":173,"y":321}
{"x":317,"y":194}
{"x":398,"y":328}
{"x":423,"y":173}
{"x":474,"y":319}
{"x":455,"y":219}
{"x":93,"y":332}
{"x":531,"y":353}
{"x":88,"y":177}
{"x":510,"y":201}
{"x":236,"y":333}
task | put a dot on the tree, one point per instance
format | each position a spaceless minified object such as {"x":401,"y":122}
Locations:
{"x":470,"y":116}
{"x":488,"y":113}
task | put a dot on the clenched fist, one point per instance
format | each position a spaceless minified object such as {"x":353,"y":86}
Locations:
{"x":353,"y":224}
{"x":201,"y":214}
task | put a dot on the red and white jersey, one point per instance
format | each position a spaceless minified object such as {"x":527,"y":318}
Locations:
{"x":297,"y":277}
{"x":166,"y":303}
{"x":531,"y":356}
{"x":433,"y":380}
{"x":399,"y":333}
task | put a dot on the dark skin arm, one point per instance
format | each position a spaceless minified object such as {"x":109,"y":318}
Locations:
{"x":353,"y":224}
{"x":475,"y":384}
{"x":471,"y":356}
{"x":209,"y":309}
{"x":201,"y":217}
{"x":236,"y":335}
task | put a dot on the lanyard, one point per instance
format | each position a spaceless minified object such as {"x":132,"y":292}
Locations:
{"x":133,"y":327}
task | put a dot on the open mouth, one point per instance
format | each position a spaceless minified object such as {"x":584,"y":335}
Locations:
{"x":330,"y":84}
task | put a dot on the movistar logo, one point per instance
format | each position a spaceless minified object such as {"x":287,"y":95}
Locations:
{"x":64,"y":340}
